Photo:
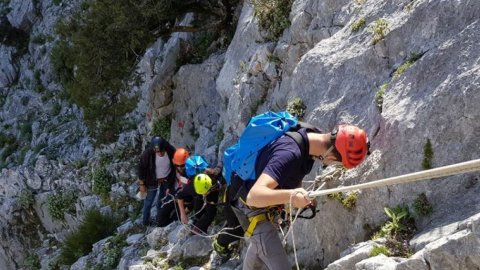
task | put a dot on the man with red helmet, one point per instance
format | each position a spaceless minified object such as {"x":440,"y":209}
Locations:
{"x":282,"y":167}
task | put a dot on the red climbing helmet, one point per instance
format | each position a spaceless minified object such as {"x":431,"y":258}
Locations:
{"x":180,"y":156}
{"x":352,"y":144}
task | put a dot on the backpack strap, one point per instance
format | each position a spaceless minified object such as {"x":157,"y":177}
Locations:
{"x":297,"y":137}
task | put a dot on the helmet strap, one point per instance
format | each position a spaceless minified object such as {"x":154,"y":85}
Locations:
{"x":322,"y":157}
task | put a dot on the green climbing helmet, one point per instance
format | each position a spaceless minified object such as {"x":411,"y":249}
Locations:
{"x":202,"y":183}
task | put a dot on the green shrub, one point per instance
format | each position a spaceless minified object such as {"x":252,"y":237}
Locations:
{"x":26,"y":130}
{"x":297,"y":108}
{"x":413,"y":57}
{"x":427,"y":155}
{"x":198,"y":49}
{"x":113,"y":251}
{"x":358,"y":24}
{"x":9,"y":145}
{"x":395,"y":224}
{"x":56,"y":2}
{"x":103,"y":41}
{"x":94,"y":227}
{"x":272,"y":16}
{"x":379,"y":29}
{"x":422,"y":206}
{"x":161,"y":127}
{"x":348,"y":201}
{"x":377,"y":250}
{"x":102,"y":181}
{"x":60,"y":203}
{"x":26,"y":198}
{"x":56,"y":108}
{"x":219,"y":136}
{"x":32,"y":262}
{"x":379,"y":96}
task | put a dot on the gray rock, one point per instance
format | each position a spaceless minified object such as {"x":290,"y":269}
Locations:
{"x":196,"y":247}
{"x":22,"y":14}
{"x":135,"y":238}
{"x":8,"y":69}
{"x":81,"y":263}
{"x":379,"y":262}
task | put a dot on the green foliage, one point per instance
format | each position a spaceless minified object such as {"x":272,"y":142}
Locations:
{"x":297,"y":108}
{"x":26,"y":198}
{"x":61,"y":202}
{"x":56,"y":2}
{"x":32,"y":262}
{"x":427,"y":155}
{"x":219,"y":136}
{"x":422,"y":206}
{"x":63,"y":61}
{"x":349,"y":201}
{"x":394,"y":225}
{"x":26,"y":130}
{"x":79,"y":163}
{"x":272,"y":16}
{"x":274,"y":59}
{"x":94,"y":227}
{"x":377,"y":250}
{"x":398,"y":248}
{"x":379,"y":29}
{"x":161,"y":127}
{"x":358,"y":24}
{"x":39,"y":87}
{"x":9,"y":144}
{"x":41,"y":39}
{"x":379,"y":96}
{"x":413,"y":57}
{"x":198,"y":49}
{"x":113,"y":251}
{"x":56,"y":108}
{"x":102,"y":181}
{"x":103,"y":42}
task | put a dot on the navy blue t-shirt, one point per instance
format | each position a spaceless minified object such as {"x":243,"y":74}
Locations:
{"x":282,"y":160}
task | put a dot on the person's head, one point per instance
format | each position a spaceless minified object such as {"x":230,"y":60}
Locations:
{"x":348,"y":145}
{"x":202,"y":184}
{"x":158,"y":145}
{"x":179,"y":158}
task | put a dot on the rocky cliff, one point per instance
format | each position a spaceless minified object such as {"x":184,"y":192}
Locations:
{"x":408,"y":71}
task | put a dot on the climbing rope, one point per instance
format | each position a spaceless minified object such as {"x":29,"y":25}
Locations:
{"x":459,"y":168}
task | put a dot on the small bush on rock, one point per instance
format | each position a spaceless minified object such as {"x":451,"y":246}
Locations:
{"x":161,"y":127}
{"x":379,"y":29}
{"x":297,"y":108}
{"x":422,"y":206}
{"x":60,"y":203}
{"x":102,"y":181}
{"x":26,"y":198}
{"x":427,"y":155}
{"x":94,"y":227}
{"x":272,"y":16}
{"x":377,"y":250}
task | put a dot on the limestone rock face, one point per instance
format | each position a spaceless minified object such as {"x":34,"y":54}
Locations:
{"x":8,"y":69}
{"x":22,"y":14}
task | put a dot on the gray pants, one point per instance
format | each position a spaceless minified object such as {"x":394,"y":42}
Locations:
{"x":266,"y":250}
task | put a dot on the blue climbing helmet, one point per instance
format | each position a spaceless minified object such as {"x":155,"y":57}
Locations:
{"x":158,"y":144}
{"x":194,"y":165}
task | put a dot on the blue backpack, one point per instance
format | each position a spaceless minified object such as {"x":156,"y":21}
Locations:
{"x":260,"y":131}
